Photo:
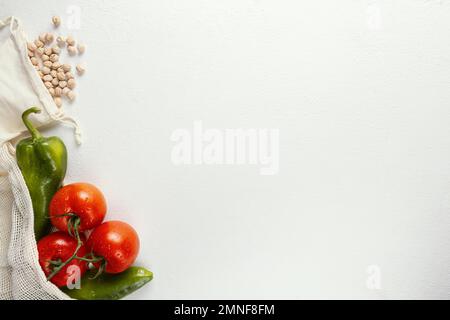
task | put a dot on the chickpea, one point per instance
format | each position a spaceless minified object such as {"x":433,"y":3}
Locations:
{"x":43,"y":37}
{"x":49,"y":38}
{"x":38,"y":43}
{"x":66,"y":67}
{"x":71,"y":84}
{"x":54,"y":57}
{"x":72,"y":50}
{"x":58,"y":101}
{"x":81,"y":48}
{"x":71,"y":95}
{"x":80,"y":69}
{"x":34,"y":61}
{"x":48,"y":78}
{"x":56,"y":50}
{"x":31,"y":46}
{"x":56,"y":65}
{"x":56,"y":21}
{"x":45,"y":70}
{"x":61,"y":76}
{"x":61,"y":41}
{"x":58,"y":92}
{"x":70,"y":41}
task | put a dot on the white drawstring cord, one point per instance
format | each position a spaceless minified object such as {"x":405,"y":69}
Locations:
{"x":61,"y":117}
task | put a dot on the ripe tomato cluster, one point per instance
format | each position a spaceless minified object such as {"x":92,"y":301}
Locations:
{"x":111,"y":247}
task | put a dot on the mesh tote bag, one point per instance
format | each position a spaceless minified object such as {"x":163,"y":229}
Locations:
{"x":21,"y":276}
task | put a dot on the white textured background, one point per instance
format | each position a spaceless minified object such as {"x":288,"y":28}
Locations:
{"x":360,"y":91}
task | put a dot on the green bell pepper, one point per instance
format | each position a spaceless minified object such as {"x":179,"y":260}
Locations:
{"x":110,"y":286}
{"x":43,"y":162}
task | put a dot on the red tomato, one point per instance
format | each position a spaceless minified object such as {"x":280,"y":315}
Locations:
{"x":59,"y":246}
{"x":117,"y":242}
{"x":82,"y":199}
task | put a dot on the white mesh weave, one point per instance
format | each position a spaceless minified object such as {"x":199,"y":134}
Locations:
{"x":6,"y":200}
{"x":21,"y":276}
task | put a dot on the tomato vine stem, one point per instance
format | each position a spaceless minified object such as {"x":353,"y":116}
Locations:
{"x":73,"y":225}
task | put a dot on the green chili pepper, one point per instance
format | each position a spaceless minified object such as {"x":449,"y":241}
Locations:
{"x":43,"y":162}
{"x":110,"y":286}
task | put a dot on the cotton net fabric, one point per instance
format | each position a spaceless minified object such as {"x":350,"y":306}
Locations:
{"x":21,"y":276}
